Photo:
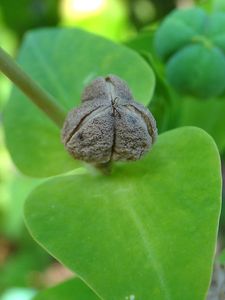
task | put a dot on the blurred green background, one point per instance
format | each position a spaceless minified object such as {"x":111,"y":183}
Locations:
{"x":24,"y":266}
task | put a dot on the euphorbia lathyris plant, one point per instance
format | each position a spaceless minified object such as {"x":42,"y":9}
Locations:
{"x":147,"y":230}
{"x":192,"y":44}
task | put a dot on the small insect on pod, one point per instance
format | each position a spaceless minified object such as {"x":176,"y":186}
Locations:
{"x":109,"y":125}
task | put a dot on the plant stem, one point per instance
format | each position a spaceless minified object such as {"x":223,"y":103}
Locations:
{"x":31,"y":89}
{"x":104,"y":168}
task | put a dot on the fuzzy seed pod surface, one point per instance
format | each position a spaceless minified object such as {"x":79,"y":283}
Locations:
{"x":109,"y":125}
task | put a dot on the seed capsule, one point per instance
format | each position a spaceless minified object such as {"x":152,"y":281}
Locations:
{"x":109,"y":125}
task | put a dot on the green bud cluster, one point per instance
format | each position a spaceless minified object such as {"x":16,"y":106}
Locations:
{"x":192,"y":45}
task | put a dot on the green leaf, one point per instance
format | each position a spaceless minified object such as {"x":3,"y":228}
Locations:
{"x":161,"y":99}
{"x":73,"y":289}
{"x":219,"y":5}
{"x":148,"y":231}
{"x":208,"y":115}
{"x":64,"y":61}
{"x":221,"y":258}
{"x":17,"y":188}
{"x":143,"y":41}
{"x":206,"y":4}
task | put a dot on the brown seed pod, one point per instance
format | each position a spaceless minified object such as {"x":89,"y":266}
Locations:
{"x":109,"y":125}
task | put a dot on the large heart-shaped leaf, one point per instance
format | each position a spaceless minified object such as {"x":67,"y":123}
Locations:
{"x":147,"y":231}
{"x":73,"y":289}
{"x":64,"y":61}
